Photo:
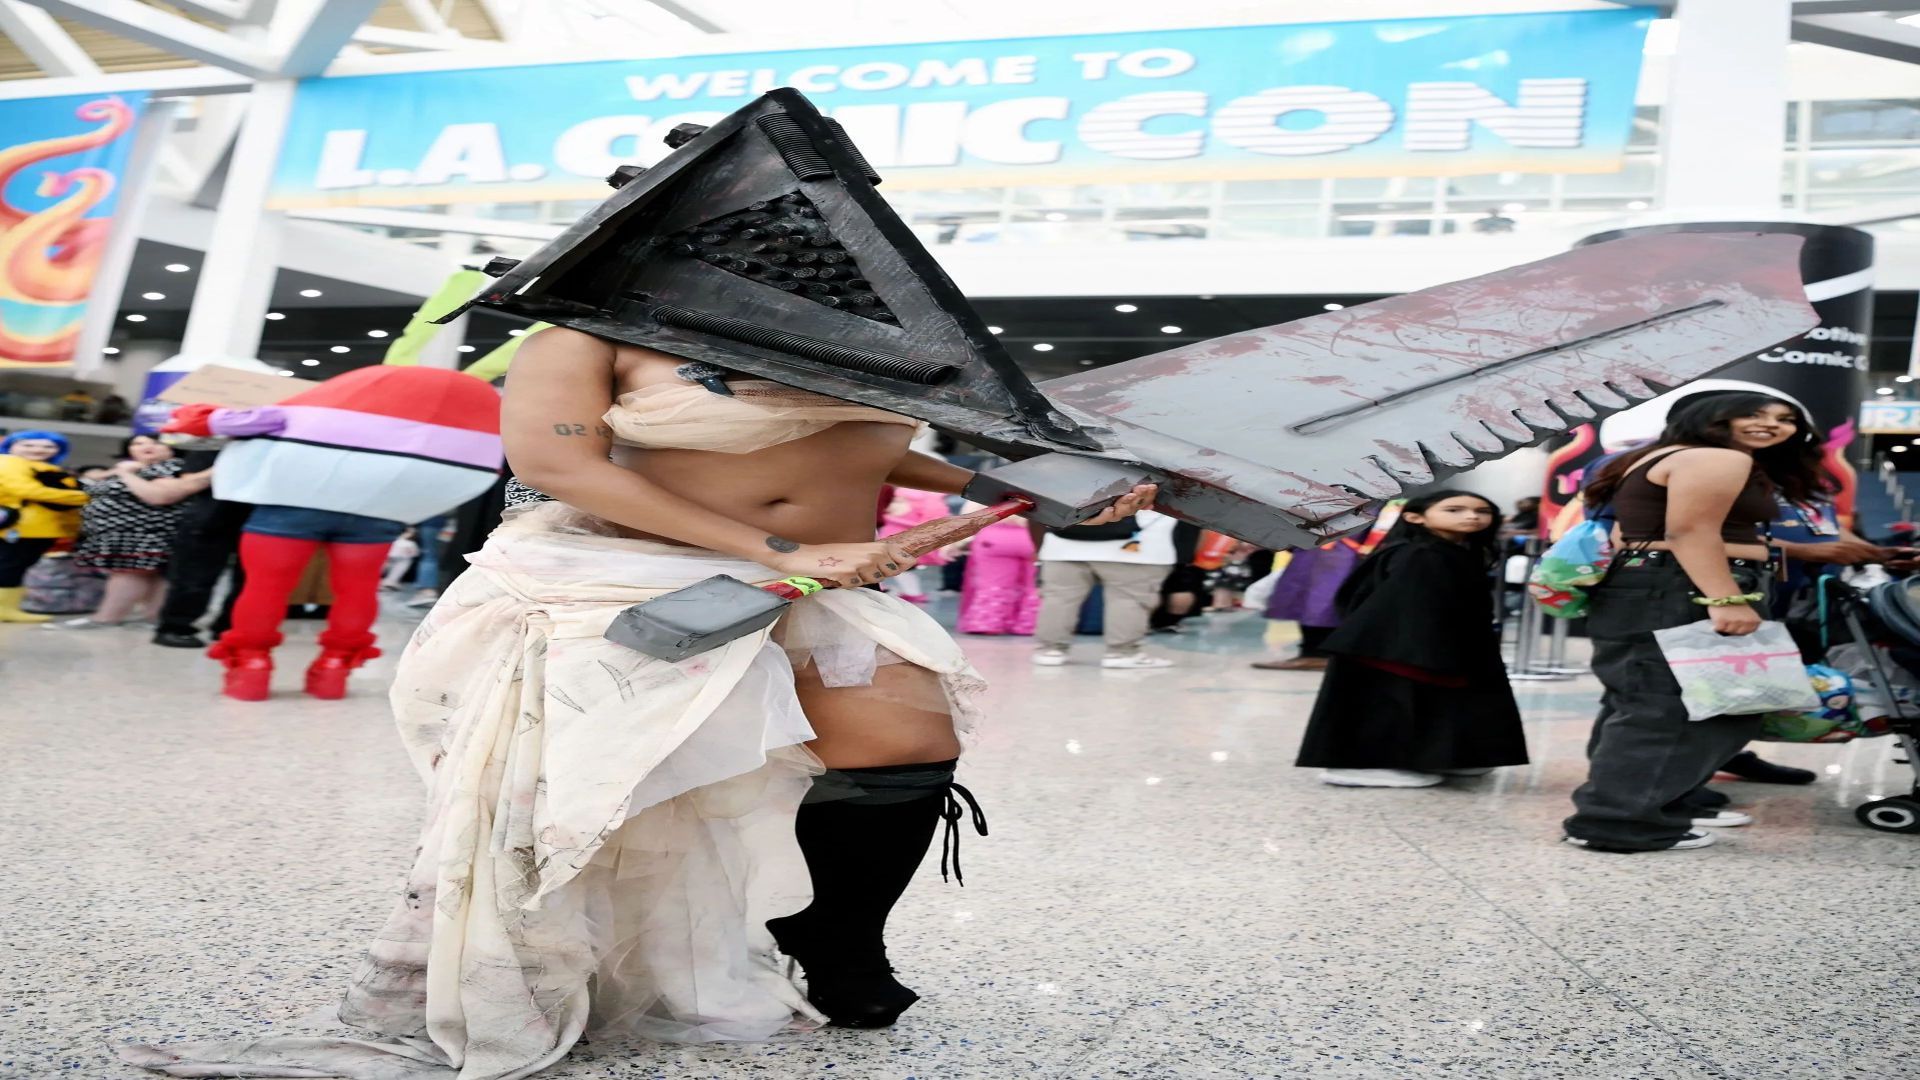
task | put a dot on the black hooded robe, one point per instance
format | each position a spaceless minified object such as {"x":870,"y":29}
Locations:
{"x":1415,"y":681}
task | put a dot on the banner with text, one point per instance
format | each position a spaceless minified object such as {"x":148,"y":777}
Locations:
{"x":1546,"y":92}
{"x":61,"y":161}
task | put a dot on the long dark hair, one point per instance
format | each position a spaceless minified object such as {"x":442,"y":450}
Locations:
{"x":1485,"y":543}
{"x":1796,"y":467}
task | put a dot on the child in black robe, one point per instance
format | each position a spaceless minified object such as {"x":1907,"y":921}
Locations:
{"x":1415,"y":690}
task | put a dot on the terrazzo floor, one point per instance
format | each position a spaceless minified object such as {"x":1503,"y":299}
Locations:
{"x":1163,"y":895}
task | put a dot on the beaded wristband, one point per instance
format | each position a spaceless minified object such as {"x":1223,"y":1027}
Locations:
{"x":1729,"y":601}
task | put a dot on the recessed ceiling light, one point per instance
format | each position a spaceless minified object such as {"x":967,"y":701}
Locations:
{"x":111,"y":351}
{"x":136,"y":318}
{"x":376,"y":333}
{"x":284,"y":371}
{"x":1055,"y":215}
{"x":996,"y":329}
{"x":1169,"y":329}
{"x":1512,"y":207}
{"x":153,"y":296}
{"x":515,"y":333}
{"x":1086,"y":363}
{"x":466,"y":348}
{"x":275,"y":316}
{"x":1884,"y":390}
{"x":1899,"y":449}
{"x":1638,"y":204}
{"x":1125,"y":307}
{"x":340,"y":348}
{"x":1042,"y":347}
{"x":179,"y":268}
{"x":1334,"y":307}
{"x":1903,"y":378}
{"x":309,"y":362}
{"x":311,"y":292}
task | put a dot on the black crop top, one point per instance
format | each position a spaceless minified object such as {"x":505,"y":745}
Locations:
{"x":1640,"y":507}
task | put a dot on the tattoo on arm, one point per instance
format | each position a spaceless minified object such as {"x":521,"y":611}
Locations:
{"x":782,"y":545}
{"x":565,"y":430}
{"x":829,"y":561}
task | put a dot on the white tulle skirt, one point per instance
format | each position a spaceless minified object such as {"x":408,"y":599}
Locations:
{"x":607,"y":833}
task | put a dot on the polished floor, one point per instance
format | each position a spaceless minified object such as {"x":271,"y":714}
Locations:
{"x":1163,"y":896}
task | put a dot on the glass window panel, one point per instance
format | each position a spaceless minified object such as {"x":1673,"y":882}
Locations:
{"x":1382,"y":226}
{"x":1617,"y":202}
{"x":1863,"y":170}
{"x":1083,"y":214}
{"x":1872,"y":120}
{"x":1646,"y":126}
{"x":1161,"y":230}
{"x":1506,"y":185}
{"x":1034,"y":232}
{"x":1160,"y":213}
{"x":1383,"y":187}
{"x":956,"y":198}
{"x":1045,"y":196}
{"x":1272,"y":190}
{"x":1267,"y":228}
{"x":1793,"y":122}
{"x":1637,"y":177}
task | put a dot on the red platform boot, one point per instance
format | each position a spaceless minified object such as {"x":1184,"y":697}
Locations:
{"x":327,"y":676}
{"x":249,"y":672}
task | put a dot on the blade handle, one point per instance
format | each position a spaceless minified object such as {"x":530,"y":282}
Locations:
{"x":1065,"y":489}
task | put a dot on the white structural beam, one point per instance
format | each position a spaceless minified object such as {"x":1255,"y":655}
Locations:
{"x":427,"y":16}
{"x":160,"y":30}
{"x":185,"y":82}
{"x":226,"y":11}
{"x":307,"y":34}
{"x":417,"y":219}
{"x":50,"y":47}
{"x":315,"y":248}
{"x":702,"y":16}
{"x":415,"y":41}
{"x":1868,"y":34}
{"x":236,"y":278}
{"x":1720,"y":126}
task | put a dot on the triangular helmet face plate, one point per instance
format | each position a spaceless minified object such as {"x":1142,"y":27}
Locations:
{"x":761,"y":246}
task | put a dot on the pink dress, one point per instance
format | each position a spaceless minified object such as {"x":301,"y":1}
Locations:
{"x":911,"y":507}
{"x":998,"y":595}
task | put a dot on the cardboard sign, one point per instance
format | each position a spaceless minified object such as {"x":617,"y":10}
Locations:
{"x":233,"y":388}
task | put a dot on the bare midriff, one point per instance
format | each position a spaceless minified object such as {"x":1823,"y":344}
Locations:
{"x":821,"y":489}
{"x":1755,"y":552}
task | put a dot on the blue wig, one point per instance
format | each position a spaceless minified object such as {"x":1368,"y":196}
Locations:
{"x":53,"y":437}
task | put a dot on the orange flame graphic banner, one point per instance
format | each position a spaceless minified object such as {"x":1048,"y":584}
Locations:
{"x":58,"y":182}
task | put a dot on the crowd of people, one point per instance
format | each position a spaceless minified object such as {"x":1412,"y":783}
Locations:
{"x":1723,"y":518}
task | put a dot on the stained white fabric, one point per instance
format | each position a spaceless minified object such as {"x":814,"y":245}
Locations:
{"x":758,"y":414}
{"x":607,"y":833}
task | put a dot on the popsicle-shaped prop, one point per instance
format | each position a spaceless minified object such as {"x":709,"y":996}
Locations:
{"x":710,"y":613}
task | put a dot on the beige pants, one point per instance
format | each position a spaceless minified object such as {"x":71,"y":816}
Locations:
{"x":1131,"y":592}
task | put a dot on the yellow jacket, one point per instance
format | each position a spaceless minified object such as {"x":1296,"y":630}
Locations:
{"x":48,"y":499}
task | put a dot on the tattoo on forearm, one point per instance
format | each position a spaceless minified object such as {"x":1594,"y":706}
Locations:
{"x":582,"y":429}
{"x":782,"y":545}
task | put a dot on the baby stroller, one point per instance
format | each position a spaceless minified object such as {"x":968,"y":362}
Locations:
{"x":1873,"y":634}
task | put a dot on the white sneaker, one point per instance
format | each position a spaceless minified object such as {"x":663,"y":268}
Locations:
{"x":1379,"y":778}
{"x":81,"y":623}
{"x":1050,"y":657}
{"x":1722,"y":819}
{"x":1685,"y":843}
{"x":1137,"y":659}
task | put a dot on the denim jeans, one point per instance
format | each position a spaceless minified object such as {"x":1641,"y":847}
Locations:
{"x":1646,"y":756}
{"x":332,"y":526}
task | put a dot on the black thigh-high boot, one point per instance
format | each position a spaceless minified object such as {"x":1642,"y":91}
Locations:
{"x":864,"y":833}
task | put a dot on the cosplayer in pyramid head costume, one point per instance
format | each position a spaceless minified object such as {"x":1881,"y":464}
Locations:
{"x":343,"y":467}
{"x":646,"y":775}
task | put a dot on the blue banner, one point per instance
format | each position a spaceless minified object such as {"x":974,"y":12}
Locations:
{"x":1415,"y":97}
{"x":61,"y":161}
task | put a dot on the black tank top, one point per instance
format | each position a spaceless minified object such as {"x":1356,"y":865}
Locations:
{"x":1640,"y":506}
